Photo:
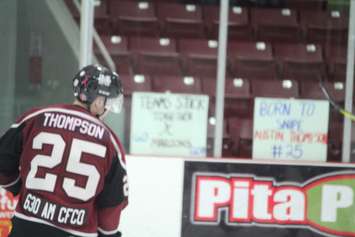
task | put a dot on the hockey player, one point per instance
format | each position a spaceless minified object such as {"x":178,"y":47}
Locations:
{"x":66,"y":164}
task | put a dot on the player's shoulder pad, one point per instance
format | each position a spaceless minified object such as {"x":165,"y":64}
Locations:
{"x":26,"y":116}
{"x":118,"y":147}
{"x":58,"y":108}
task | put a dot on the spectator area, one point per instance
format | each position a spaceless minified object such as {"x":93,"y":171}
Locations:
{"x":280,"y":49}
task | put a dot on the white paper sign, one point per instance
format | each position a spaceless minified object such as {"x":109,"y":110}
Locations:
{"x":290,"y":129}
{"x":169,"y":124}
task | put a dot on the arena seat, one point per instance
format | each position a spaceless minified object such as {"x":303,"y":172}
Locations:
{"x":275,"y":88}
{"x":335,"y":57}
{"x":238,"y":100}
{"x":306,"y":4}
{"x":249,"y":59}
{"x":209,"y":86}
{"x":133,"y":83}
{"x":300,"y":61}
{"x":329,"y":26}
{"x":241,"y":133}
{"x":125,"y":67}
{"x":134,"y":18}
{"x":237,"y":88}
{"x":312,"y":90}
{"x":102,"y":18}
{"x":175,"y":84}
{"x":234,"y":87}
{"x":276,"y":24}
{"x":239,"y":26}
{"x":155,"y":56}
{"x":117,"y":46}
{"x":226,"y":140}
{"x":180,"y":20}
{"x":199,"y":57}
{"x":335,"y":138}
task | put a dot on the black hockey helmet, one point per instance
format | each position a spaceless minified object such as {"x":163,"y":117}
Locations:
{"x":94,"y":80}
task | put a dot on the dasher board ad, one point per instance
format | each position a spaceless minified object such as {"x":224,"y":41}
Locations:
{"x":268,"y":200}
{"x":169,"y":124}
{"x":7,"y":209}
{"x":290,"y":129}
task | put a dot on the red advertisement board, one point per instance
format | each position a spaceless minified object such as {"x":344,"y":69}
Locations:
{"x":7,"y":206}
{"x":268,"y":199}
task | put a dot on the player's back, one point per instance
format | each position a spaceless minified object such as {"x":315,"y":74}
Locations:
{"x":66,"y":156}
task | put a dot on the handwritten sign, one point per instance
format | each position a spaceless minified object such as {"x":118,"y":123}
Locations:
{"x":290,"y":129}
{"x":169,"y":124}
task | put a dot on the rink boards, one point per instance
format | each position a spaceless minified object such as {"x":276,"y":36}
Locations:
{"x":207,"y":197}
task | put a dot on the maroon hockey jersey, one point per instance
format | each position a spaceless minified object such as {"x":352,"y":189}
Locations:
{"x":69,"y":169}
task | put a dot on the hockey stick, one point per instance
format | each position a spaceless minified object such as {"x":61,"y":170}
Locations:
{"x":341,"y":110}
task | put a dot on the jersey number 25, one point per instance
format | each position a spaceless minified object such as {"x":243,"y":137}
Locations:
{"x":48,"y":182}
